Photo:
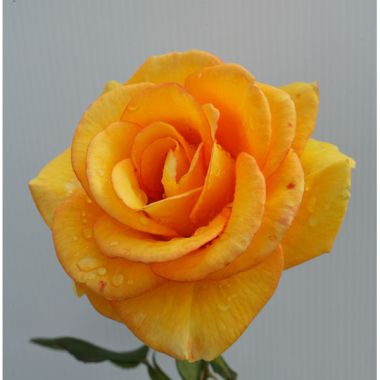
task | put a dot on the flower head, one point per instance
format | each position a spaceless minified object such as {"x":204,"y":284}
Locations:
{"x":185,"y":193}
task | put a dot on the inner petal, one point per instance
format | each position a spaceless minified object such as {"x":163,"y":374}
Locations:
{"x":126,"y":185}
{"x":154,"y":132}
{"x":174,"y":183}
{"x":152,"y":164}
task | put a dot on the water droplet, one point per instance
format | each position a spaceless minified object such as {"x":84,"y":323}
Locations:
{"x":87,"y":233}
{"x":114,"y":243}
{"x":83,"y":213}
{"x":117,"y":279}
{"x":100,"y":172}
{"x":346,"y":194}
{"x":84,"y":220}
{"x":101,"y":271}
{"x":75,"y":238}
{"x":223,"y":306}
{"x":91,"y":276}
{"x":88,"y":263}
{"x":88,"y":200}
{"x":132,"y":106}
{"x":130,"y":282}
{"x":69,"y":187}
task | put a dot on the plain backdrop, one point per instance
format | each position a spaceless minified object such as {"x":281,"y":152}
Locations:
{"x":320,"y":324}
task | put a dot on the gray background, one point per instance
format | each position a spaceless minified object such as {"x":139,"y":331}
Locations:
{"x":320,"y":325}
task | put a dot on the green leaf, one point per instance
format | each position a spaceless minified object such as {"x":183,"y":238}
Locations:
{"x":155,"y":372}
{"x":89,"y":353}
{"x":189,"y":371}
{"x":220,"y":366}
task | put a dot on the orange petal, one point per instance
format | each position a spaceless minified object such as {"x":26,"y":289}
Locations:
{"x":283,"y":114}
{"x":199,"y":320}
{"x":153,"y":132}
{"x":83,"y":261}
{"x":173,"y":67}
{"x":244,"y":124}
{"x":126,"y":185}
{"x":218,"y":188}
{"x":284,"y":194}
{"x":102,"y":306}
{"x":171,"y":104}
{"x":306,"y":99}
{"x":325,"y":201}
{"x":55,"y":182}
{"x":116,"y":240}
{"x":174,"y":212}
{"x":245,"y":219}
{"x":111,"y":85}
{"x":152,"y":165}
{"x":212,"y":115}
{"x":107,"y":109}
{"x":106,"y":149}
{"x":193,"y":179}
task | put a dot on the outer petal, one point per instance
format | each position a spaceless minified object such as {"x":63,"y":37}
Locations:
{"x":55,"y":182}
{"x":327,"y":192}
{"x":107,"y":109}
{"x":173,"y":67}
{"x":82,"y":260}
{"x":102,"y":306}
{"x":284,"y":194}
{"x":283,"y":114}
{"x":246,"y":215}
{"x":306,"y":99}
{"x":193,"y":321}
{"x":244,"y":124}
{"x":117,"y":241}
{"x":106,"y":149}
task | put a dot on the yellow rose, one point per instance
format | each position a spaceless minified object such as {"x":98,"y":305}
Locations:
{"x":186,"y":192}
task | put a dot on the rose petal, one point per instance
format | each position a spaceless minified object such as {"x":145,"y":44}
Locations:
{"x":172,"y":104}
{"x":244,"y":124}
{"x":55,"y":182}
{"x":199,"y":320}
{"x":126,"y":185}
{"x":173,"y":67}
{"x":306,"y":99}
{"x":327,"y":192}
{"x":83,"y":261}
{"x":105,"y":110}
{"x":105,"y":150}
{"x":193,"y":179}
{"x":245,"y":219}
{"x":284,"y":194}
{"x":174,"y":212}
{"x":218,"y":188}
{"x":283,"y":114}
{"x":115,"y":240}
{"x":153,"y":132}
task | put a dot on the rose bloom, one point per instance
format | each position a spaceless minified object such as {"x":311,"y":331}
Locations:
{"x":185,"y":193}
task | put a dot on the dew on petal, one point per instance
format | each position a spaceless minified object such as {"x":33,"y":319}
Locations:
{"x":117,"y":279}
{"x":88,"y":263}
{"x":100,"y":172}
{"x":101,"y":271}
{"x":114,"y":243}
{"x":223,"y":306}
{"x":87,"y":233}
